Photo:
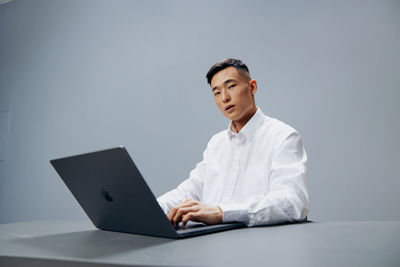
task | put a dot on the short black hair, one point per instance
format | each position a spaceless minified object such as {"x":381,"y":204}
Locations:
{"x":223,"y":64}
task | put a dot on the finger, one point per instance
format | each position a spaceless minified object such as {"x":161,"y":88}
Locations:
{"x":186,"y":218}
{"x":188,"y":202}
{"x":180,"y":213}
{"x":190,"y":216}
{"x":174,"y":210}
{"x":171,"y":214}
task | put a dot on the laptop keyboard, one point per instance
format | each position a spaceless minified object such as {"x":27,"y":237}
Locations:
{"x":198,"y":228}
{"x":190,"y":225}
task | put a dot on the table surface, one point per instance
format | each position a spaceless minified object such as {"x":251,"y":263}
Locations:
{"x":58,"y":243}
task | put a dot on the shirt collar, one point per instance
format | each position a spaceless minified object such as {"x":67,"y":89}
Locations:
{"x":250,"y":128}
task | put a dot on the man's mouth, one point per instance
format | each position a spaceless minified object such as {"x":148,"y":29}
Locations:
{"x":228,"y":108}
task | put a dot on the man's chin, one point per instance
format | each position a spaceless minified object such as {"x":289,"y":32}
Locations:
{"x":230,"y":116}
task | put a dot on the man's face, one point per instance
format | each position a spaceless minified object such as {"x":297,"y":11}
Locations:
{"x":234,"y":93}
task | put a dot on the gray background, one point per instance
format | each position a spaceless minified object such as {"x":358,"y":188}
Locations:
{"x":77,"y":76}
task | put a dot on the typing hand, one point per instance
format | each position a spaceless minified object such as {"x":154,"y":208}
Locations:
{"x":193,"y":210}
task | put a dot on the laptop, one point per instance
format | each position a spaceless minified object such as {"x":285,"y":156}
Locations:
{"x":114,"y":195}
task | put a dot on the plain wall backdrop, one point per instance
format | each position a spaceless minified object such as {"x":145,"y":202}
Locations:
{"x":78,"y":76}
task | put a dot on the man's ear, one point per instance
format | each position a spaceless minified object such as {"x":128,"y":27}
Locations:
{"x":253,"y":86}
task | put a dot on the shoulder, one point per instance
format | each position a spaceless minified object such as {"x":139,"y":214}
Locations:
{"x":277,"y":131}
{"x":277,"y":127}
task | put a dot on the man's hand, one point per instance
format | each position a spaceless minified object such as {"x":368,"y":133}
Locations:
{"x":195,"y":211}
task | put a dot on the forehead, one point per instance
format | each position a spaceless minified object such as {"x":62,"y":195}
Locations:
{"x":225,"y":74}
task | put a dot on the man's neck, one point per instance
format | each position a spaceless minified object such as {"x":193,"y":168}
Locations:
{"x":239,"y":124}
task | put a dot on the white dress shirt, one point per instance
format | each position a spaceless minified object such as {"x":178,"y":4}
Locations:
{"x":256,"y":176}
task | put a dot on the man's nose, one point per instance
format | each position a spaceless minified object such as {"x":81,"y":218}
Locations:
{"x":225,"y":97}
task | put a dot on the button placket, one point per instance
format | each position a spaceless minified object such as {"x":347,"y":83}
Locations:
{"x":234,"y":172}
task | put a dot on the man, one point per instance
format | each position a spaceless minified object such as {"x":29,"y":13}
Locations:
{"x":253,"y":172}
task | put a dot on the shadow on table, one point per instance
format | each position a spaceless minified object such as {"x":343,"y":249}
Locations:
{"x":90,"y":244}
{"x":305,"y":221}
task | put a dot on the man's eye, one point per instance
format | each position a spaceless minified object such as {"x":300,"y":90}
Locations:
{"x":231,"y":86}
{"x":216,"y":93}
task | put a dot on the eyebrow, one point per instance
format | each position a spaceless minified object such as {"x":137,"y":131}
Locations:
{"x":225,"y":83}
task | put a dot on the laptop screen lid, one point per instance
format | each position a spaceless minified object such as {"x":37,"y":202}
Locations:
{"x":112,"y":192}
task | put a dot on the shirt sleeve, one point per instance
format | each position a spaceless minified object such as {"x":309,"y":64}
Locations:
{"x":287,"y":200}
{"x":190,"y":188}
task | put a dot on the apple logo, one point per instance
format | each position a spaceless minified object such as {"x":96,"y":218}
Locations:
{"x":106,"y":195}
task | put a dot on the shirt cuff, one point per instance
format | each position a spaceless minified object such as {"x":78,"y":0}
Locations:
{"x":234,"y":212}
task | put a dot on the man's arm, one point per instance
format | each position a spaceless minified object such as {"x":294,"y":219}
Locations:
{"x":191,"y":188}
{"x":183,"y":203}
{"x":287,"y":200}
